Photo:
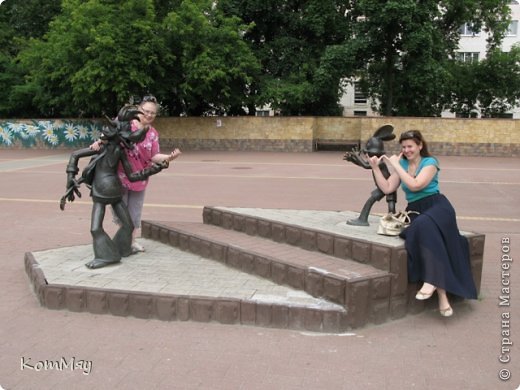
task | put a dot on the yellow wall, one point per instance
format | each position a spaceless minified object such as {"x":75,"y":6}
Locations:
{"x":445,"y":136}
{"x":500,"y":137}
{"x":255,"y":128}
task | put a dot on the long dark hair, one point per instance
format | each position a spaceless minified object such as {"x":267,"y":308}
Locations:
{"x":417,"y":137}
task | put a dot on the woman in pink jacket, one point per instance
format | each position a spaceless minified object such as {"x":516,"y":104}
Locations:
{"x":141,"y":156}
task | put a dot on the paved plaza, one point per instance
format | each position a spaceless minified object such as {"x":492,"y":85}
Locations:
{"x":59,"y":349}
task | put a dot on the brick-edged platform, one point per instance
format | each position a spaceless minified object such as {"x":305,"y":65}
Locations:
{"x":295,"y":269}
{"x":327,"y":232}
{"x":315,"y":251}
{"x":362,"y":289}
{"x":168,"y":284}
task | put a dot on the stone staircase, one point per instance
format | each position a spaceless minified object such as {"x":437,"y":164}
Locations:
{"x":362,"y":273}
{"x":289,"y":269}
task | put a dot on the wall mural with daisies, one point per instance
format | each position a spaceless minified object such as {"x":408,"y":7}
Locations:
{"x":49,"y":133}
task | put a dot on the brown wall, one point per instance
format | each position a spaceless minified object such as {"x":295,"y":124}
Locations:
{"x":463,"y":137}
{"x":293,"y":134}
{"x":446,"y":136}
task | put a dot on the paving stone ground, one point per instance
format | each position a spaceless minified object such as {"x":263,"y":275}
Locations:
{"x":163,"y":269}
{"x":422,"y":351}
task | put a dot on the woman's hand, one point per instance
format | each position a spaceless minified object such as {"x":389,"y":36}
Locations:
{"x":96,"y":145}
{"x":173,"y":155}
{"x":393,"y":159}
{"x":374,"y":161}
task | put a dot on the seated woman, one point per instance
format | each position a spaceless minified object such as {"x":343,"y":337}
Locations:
{"x":438,"y":255}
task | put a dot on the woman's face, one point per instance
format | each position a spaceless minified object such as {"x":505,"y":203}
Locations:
{"x":149,"y":110}
{"x":410,"y":149}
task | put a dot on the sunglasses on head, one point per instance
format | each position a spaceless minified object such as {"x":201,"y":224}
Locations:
{"x":410,"y":134}
{"x":149,"y":99}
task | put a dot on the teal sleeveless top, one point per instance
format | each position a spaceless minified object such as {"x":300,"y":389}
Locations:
{"x":431,"y":189}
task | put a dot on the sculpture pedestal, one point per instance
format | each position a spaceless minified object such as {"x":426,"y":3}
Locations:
{"x":296,"y":269}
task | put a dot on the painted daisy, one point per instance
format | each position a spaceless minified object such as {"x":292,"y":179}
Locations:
{"x":47,"y":131}
{"x":31,"y":130}
{"x":95,"y":133}
{"x":53,"y":140}
{"x":83,"y":132}
{"x":5,"y":135}
{"x":17,"y":128}
{"x":71,"y":132}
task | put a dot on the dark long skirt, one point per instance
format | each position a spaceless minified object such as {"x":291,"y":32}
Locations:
{"x":437,"y":253}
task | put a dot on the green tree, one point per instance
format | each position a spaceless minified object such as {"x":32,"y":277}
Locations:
{"x":491,"y":86}
{"x":19,"y":21}
{"x":464,"y":89}
{"x":214,"y":57}
{"x":500,"y":75}
{"x":401,"y":48}
{"x":214,"y":68}
{"x":289,"y":38}
{"x":29,"y":18}
{"x":99,"y":53}
{"x":95,"y":54}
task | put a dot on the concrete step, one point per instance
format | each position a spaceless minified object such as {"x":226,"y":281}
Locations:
{"x":169,"y":284}
{"x":368,"y":294}
{"x":327,"y":232}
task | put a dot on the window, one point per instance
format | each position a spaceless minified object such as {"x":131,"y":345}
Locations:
{"x":502,"y":115}
{"x":512,"y":30}
{"x":466,"y":115}
{"x":467,"y":30}
{"x":468,"y":56}
{"x":262,"y":112}
{"x":360,"y":113}
{"x":359,"y":96}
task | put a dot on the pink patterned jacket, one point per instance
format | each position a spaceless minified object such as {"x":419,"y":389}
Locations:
{"x":140,"y":157}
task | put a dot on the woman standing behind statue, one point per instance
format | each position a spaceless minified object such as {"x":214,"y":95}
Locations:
{"x":141,"y":156}
{"x":438,"y":255}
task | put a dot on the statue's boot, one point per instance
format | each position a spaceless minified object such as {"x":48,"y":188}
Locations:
{"x":99,"y":263}
{"x":105,"y":251}
{"x":123,"y":241}
{"x":362,"y":220}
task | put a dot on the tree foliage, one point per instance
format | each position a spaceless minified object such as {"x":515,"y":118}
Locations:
{"x":290,"y":39}
{"x":400,"y":49}
{"x":214,"y":67}
{"x":491,"y":86}
{"x":19,"y":21}
{"x":205,"y":57}
{"x":94,"y":54}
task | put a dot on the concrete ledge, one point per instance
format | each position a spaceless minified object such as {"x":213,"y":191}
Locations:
{"x":327,"y":232}
{"x":62,"y":282}
{"x":291,"y":269}
{"x":369,"y":294}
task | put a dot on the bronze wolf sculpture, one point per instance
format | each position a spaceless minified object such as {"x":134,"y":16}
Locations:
{"x":101,"y":177}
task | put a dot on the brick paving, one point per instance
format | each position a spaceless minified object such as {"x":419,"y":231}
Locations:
{"x":422,"y":351}
{"x":163,"y":269}
{"x":283,"y":253}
